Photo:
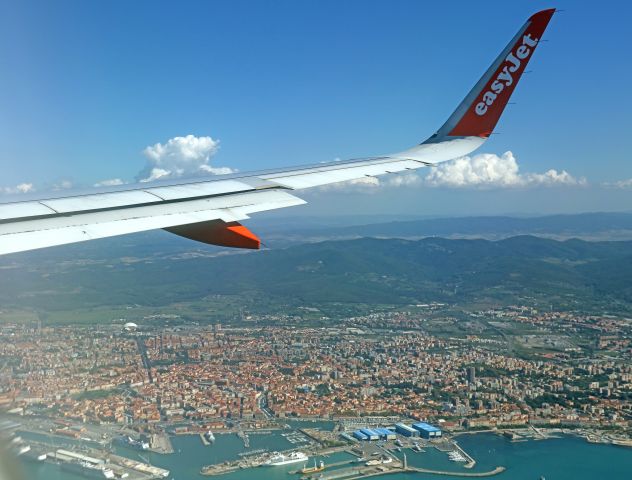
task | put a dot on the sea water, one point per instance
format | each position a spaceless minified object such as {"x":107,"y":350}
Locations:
{"x":566,"y":458}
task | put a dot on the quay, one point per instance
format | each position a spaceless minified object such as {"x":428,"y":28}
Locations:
{"x":252,"y":452}
{"x":161,"y":443}
{"x":122,"y":467}
{"x":331,"y":465}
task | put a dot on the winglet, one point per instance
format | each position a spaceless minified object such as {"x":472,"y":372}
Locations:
{"x":479,"y":112}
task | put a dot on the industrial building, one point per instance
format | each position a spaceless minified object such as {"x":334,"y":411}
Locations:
{"x":348,"y":437}
{"x":370,"y":433}
{"x":405,"y":430}
{"x":386,"y":434}
{"x":374,"y":434}
{"x":427,"y":431}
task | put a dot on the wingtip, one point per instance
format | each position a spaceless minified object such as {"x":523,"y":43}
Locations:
{"x":543,"y":14}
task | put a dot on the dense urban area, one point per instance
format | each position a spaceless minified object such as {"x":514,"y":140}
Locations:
{"x":381,"y":364}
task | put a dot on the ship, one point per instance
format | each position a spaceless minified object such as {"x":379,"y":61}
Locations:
{"x":20,"y":449}
{"x":281,"y":459}
{"x":129,"y":442}
{"x":87,"y":469}
{"x":34,"y":456}
{"x":315,"y":468}
{"x":210,"y":438}
{"x":379,"y":461}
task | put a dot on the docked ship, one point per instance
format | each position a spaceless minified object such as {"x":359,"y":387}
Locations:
{"x":210,"y":438}
{"x":88,"y":469}
{"x":316,"y":468}
{"x":129,"y":442}
{"x":280,"y":459}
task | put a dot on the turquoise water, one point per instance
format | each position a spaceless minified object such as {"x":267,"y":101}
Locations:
{"x":565,"y":458}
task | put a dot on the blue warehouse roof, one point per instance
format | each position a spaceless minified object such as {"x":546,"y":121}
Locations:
{"x":426,"y":427}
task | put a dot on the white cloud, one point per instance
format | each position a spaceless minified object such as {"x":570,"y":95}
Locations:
{"x":488,"y":170}
{"x":112,"y":182}
{"x":181,"y":156}
{"x":619,"y":184}
{"x":485,"y":170}
{"x":364,"y":184}
{"x":62,"y":185}
{"x":19,"y":188}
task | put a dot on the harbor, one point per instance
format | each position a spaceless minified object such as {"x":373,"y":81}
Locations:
{"x":450,"y":456}
{"x":368,"y":452}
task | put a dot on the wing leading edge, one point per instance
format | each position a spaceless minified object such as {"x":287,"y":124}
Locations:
{"x":210,"y":210}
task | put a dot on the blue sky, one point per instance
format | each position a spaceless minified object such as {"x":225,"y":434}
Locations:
{"x":87,"y":86}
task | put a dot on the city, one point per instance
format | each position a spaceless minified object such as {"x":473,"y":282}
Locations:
{"x":156,"y":381}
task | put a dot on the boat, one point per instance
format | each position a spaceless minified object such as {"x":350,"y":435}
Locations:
{"x":88,"y":469}
{"x":19,"y":449}
{"x":314,"y":469}
{"x":456,"y":456}
{"x":280,"y":459}
{"x":129,"y":442}
{"x":210,"y":438}
{"x":34,"y":456}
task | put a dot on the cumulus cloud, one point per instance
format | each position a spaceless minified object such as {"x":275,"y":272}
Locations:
{"x":112,"y":182}
{"x":181,"y":156}
{"x":485,"y":170}
{"x":19,"y":188}
{"x":493,"y":171}
{"x":27,"y":187}
{"x":366,"y":184}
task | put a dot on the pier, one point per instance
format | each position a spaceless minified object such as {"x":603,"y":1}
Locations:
{"x":252,"y":452}
{"x":244,"y":436}
{"x":491,"y":473}
{"x":330,"y":465}
{"x":470,"y":461}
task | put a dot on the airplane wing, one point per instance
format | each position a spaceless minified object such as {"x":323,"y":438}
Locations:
{"x":209,"y":210}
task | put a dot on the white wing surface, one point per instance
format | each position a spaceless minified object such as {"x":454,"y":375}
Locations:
{"x":209,"y":210}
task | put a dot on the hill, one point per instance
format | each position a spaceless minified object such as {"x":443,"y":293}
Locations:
{"x":588,"y":226}
{"x":571,"y":274}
